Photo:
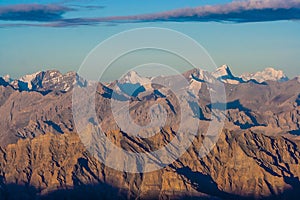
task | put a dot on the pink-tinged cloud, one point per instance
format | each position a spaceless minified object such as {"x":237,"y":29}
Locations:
{"x":236,"y":12}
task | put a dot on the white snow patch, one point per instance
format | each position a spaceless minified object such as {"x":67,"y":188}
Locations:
{"x":225,"y":75}
{"x":268,"y":74}
{"x":134,"y":78}
{"x":28,"y":79}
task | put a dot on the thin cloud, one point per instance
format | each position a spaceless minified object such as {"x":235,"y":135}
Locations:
{"x":33,"y":12}
{"x":88,"y":7}
{"x":234,"y":12}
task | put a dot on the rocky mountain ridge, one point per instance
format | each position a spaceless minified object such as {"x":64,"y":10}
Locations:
{"x":46,"y":81}
{"x":241,"y":166}
{"x":47,"y":107}
{"x":256,"y":156}
{"x":50,"y":80}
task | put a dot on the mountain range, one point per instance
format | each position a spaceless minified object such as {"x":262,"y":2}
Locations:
{"x":54,"y":80}
{"x":257,"y":155}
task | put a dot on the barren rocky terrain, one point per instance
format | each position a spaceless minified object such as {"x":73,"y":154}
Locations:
{"x":256,"y":156}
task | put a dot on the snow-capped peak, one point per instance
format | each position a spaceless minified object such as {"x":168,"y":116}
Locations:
{"x":268,"y":74}
{"x":27,"y":79}
{"x":222,"y":71}
{"x":134,"y":78}
{"x":48,"y":81}
{"x":225,"y":75}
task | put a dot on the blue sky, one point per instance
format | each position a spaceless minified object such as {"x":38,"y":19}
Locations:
{"x":64,"y":33}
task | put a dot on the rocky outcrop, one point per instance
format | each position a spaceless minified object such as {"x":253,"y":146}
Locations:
{"x":241,"y":165}
{"x":26,"y":114}
{"x":257,"y":155}
{"x":29,"y":114}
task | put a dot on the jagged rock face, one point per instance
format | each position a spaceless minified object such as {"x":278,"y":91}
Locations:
{"x":54,"y":80}
{"x":244,"y":163}
{"x":268,"y":107}
{"x":29,"y":114}
{"x":241,"y":165}
{"x":273,"y":106}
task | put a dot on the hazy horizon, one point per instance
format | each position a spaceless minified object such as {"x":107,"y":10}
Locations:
{"x":67,"y":31}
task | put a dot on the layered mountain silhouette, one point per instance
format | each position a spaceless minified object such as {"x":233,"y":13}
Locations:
{"x":257,"y":155}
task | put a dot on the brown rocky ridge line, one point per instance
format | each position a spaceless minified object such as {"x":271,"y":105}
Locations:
{"x":242,"y":165}
{"x":257,"y":154}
